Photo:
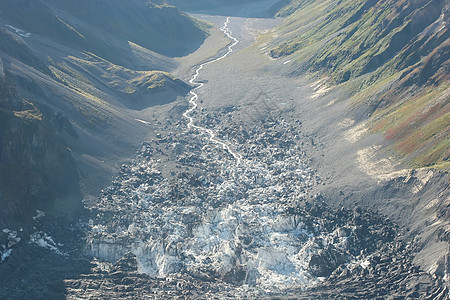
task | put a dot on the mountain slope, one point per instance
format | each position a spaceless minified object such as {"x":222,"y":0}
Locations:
{"x":75,"y":76}
{"x":87,"y":25}
{"x":393,"y":56}
{"x":380,"y":106}
{"x":36,"y":166}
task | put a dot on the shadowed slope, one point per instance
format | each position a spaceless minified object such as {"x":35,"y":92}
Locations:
{"x":83,"y":24}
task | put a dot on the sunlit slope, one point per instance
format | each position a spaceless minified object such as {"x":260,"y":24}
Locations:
{"x":393,"y":56}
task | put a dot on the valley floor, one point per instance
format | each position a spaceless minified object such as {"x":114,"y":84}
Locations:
{"x":265,"y":209}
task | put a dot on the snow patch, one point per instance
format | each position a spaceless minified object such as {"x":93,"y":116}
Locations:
{"x":39,"y":215}
{"x":143,"y":122}
{"x":43,"y":240}
{"x":5,"y":255}
{"x":20,"y":32}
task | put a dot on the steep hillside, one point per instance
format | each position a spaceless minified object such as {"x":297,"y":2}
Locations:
{"x":75,"y":79}
{"x":393,"y":58}
{"x":89,"y":25}
{"x":15,"y":47}
{"x":36,"y":167}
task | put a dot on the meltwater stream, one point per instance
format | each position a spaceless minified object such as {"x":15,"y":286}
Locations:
{"x":194,"y":98}
{"x":232,"y":221}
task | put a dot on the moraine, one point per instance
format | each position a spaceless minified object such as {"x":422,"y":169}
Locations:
{"x":231,"y":212}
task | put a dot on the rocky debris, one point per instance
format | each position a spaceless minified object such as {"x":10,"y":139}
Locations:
{"x":184,"y":221}
{"x":122,"y":280}
{"x":9,"y":239}
{"x":161,"y":219}
{"x":387,"y":273}
{"x":185,"y":214}
{"x":36,"y":272}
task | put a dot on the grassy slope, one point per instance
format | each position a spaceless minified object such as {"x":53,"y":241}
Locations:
{"x":392,"y":55}
{"x":125,"y":80}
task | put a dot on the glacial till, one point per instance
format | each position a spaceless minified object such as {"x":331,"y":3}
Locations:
{"x":184,"y":214}
{"x":215,"y":207}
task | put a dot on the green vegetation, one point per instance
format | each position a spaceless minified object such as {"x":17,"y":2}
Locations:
{"x":392,"y":57}
{"x":120,"y":78}
{"x":30,"y":114}
{"x":419,"y":127}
